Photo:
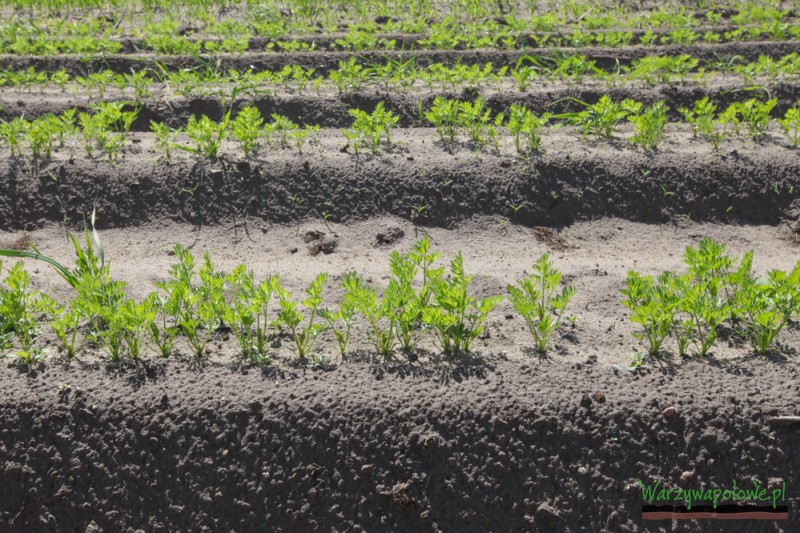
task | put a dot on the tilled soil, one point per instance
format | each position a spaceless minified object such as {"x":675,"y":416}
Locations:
{"x":418,"y":179}
{"x":494,"y":446}
{"x":503,"y":440}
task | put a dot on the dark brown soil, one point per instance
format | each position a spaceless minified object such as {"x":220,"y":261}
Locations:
{"x":493,"y":446}
{"x":418,"y":180}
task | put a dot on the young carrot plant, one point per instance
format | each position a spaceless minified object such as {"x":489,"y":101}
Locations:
{"x":713,"y":130}
{"x":402,"y":301}
{"x":755,"y":114}
{"x":197,"y":310}
{"x":350,"y":76}
{"x":524,"y":75}
{"x":372,"y":127}
{"x":20,"y":311}
{"x":766,"y":305}
{"x":650,"y":124}
{"x":41,"y":136}
{"x":206,"y":135}
{"x":248,"y":313}
{"x":99,"y":302}
{"x":652,"y":304}
{"x":135,"y":318}
{"x":289,"y":316}
{"x":12,"y":132}
{"x":537,"y":300}
{"x":790,"y":124}
{"x":698,"y":313}
{"x":732,"y":118}
{"x":65,"y":325}
{"x":341,"y":321}
{"x":382,"y":322}
{"x":303,"y":136}
{"x":164,"y":139}
{"x":601,"y":118}
{"x":246,"y":129}
{"x":110,"y":126}
{"x":444,"y":116}
{"x":476,"y":121}
{"x":702,"y":112}
{"x":282,"y":128}
{"x":140,"y":83}
{"x":161,"y":332}
{"x":455,"y":317}
{"x":65,"y":126}
{"x":525,"y":128}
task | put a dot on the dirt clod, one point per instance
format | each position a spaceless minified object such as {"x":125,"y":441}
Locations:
{"x":599,"y":397}
{"x":388,"y":236}
{"x":550,"y":237}
{"x":400,"y":494}
{"x":22,"y":243}
{"x":313,"y":235}
{"x":326,"y":245}
{"x":549,"y":516}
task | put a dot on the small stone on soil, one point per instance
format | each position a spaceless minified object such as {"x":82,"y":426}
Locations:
{"x":774,"y":483}
{"x":669,"y":412}
{"x":548,"y":515}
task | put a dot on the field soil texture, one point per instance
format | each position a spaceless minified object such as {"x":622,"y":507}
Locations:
{"x":501,"y":438}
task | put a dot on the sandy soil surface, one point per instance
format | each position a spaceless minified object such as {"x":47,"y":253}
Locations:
{"x":594,"y":257}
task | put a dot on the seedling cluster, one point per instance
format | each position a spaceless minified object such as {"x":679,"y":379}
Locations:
{"x":196,"y":305}
{"x":42,"y":30}
{"x":107,"y":126}
{"x":716,"y":295}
